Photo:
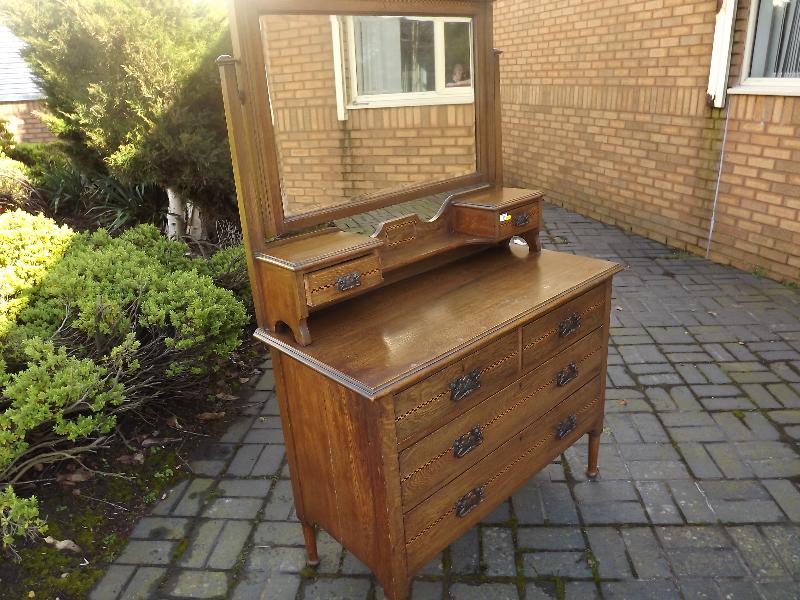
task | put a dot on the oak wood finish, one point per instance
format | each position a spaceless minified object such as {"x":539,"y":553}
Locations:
{"x":444,"y":370}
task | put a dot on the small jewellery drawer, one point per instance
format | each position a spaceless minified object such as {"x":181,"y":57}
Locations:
{"x":342,"y":280}
{"x":455,"y":389}
{"x":518,"y":219}
{"x":468,"y":498}
{"x":547,"y":335}
{"x":461,"y":443}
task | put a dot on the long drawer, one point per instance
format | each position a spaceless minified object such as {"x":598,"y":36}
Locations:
{"x":461,"y":443}
{"x":460,"y":504}
{"x":549,"y":334}
{"x":455,"y":389}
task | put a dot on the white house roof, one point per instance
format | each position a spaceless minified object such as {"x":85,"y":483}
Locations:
{"x":16,"y":80}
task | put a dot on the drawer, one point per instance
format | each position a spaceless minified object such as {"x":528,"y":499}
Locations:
{"x":463,"y":442}
{"x":520,"y":219}
{"x":463,"y":502}
{"x":455,"y":389}
{"x":342,"y":280}
{"x":547,"y":335}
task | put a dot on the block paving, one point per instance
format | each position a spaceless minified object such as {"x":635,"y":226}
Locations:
{"x":697,"y":496}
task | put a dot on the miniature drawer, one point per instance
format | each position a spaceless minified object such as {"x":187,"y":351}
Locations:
{"x":559,"y":328}
{"x":496,"y":222}
{"x":455,"y":389}
{"x":342,"y":280}
{"x":458,"y":445}
{"x":464,"y":501}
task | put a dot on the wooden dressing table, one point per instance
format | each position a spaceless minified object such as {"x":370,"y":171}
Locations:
{"x":424,"y":372}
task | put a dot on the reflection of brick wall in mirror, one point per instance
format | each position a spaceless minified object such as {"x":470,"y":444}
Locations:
{"x":327,"y":162}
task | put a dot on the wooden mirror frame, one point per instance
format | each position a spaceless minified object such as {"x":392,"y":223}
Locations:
{"x":255,"y":152}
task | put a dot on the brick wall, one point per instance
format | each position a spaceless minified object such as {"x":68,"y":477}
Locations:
{"x":324,"y":161}
{"x":604,"y":109}
{"x":23,"y":122}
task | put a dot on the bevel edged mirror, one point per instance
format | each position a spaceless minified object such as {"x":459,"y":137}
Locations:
{"x":368,"y":109}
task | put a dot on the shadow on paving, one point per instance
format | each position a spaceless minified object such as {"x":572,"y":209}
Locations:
{"x":696,"y":497}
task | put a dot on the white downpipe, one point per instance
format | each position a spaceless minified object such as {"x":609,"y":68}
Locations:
{"x":719,"y":179}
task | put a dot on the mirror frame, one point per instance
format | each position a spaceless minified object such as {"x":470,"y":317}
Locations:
{"x":256,"y":110}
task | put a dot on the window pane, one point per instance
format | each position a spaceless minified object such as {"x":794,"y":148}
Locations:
{"x":457,"y":54}
{"x":776,"y":50}
{"x":394,"y":55}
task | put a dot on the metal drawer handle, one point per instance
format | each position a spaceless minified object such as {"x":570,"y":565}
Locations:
{"x":567,"y":374}
{"x":521,"y":219}
{"x":569,"y":325}
{"x":468,"y":442}
{"x":463,"y":386}
{"x":348,"y":282}
{"x":566,"y":427}
{"x":469,"y":502}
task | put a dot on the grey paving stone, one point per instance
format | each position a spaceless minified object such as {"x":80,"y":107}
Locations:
{"x":269,"y":461}
{"x":161,"y":528}
{"x":465,"y":554}
{"x":266,"y":381}
{"x":779,"y":590}
{"x":259,"y":585}
{"x":237,"y":430}
{"x":200,"y":584}
{"x":229,"y":545}
{"x":658,"y":502}
{"x":420,"y":590}
{"x":276,"y":559}
{"x":557,"y":564}
{"x":233,"y":508}
{"x":165,"y":506}
{"x":786,"y":495}
{"x":278,"y":533}
{"x":756,"y":552}
{"x":143,"y":584}
{"x":550,"y":538}
{"x":244,"y":461}
{"x":657,"y":469}
{"x":708,"y":562}
{"x":495,"y":591}
{"x":645,"y":553}
{"x":280,"y":503}
{"x":193,"y":498}
{"x":785,"y":541}
{"x":699,"y":461}
{"x":580,"y":590}
{"x":341,"y":588}
{"x":640,"y":590}
{"x":604,"y":502}
{"x":202,"y":543}
{"x":146,"y":552}
{"x":498,"y":552}
{"x":352,"y":566}
{"x":609,"y":552}
{"x":112,"y":583}
{"x":252,"y":488}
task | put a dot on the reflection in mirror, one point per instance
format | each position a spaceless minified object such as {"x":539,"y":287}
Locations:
{"x":365,"y":105}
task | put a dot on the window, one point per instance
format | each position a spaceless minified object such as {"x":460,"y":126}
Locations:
{"x":403,"y":61}
{"x":772,"y":59}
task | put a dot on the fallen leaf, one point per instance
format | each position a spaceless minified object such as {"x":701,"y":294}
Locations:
{"x":244,"y":379}
{"x":210,"y":416}
{"x":622,"y":402}
{"x":39,"y":467}
{"x":618,"y":308}
{"x":31,"y":594}
{"x":712,"y":313}
{"x":63,"y":544}
{"x":227,"y":397}
{"x":137,"y":458}
{"x":73,"y":478}
{"x":173,"y":422}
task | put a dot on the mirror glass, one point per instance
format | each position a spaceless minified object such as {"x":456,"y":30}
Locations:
{"x":368,"y":105}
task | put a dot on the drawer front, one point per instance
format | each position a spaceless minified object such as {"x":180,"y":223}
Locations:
{"x":474,"y":494}
{"x":455,"y":389}
{"x":463,"y":442}
{"x":559,"y":328}
{"x":342,"y":280}
{"x":522,"y":218}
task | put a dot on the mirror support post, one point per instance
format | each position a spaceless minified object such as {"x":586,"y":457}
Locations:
{"x":498,"y":122}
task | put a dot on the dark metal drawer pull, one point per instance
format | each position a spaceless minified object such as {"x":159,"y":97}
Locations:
{"x":348,"y":282}
{"x":468,"y":442}
{"x":521,"y":219}
{"x":567,"y":374}
{"x":566,"y":427}
{"x":468,"y":502}
{"x":569,"y":325}
{"x":463,"y":386}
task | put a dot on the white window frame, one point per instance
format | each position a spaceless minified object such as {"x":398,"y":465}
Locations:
{"x":763,"y":86}
{"x":442,"y":94}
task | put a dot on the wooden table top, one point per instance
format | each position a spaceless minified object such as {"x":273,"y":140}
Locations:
{"x":385,"y":340}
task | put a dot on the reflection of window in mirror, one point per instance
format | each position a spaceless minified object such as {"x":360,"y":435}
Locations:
{"x":407,"y":61}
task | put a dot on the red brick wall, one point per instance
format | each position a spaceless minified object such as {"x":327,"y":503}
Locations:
{"x":23,"y":121}
{"x":604,"y":109}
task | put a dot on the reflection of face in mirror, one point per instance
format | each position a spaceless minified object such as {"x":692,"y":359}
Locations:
{"x":366,"y":105}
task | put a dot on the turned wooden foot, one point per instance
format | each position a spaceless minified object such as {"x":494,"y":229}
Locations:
{"x":310,"y":535}
{"x":594,"y":450}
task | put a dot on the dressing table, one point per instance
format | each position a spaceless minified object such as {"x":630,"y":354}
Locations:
{"x":428,"y":370}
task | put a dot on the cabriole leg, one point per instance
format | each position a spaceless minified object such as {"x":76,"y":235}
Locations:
{"x":310,"y":535}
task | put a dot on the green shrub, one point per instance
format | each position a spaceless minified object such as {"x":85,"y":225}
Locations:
{"x":15,"y":189}
{"x":19,"y":518}
{"x":29,"y":246}
{"x":102,"y":327}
